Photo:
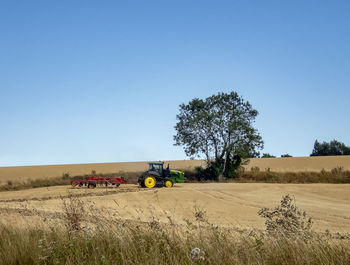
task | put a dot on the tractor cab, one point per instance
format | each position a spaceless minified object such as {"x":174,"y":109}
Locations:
{"x":159,"y":168}
{"x":156,"y":167}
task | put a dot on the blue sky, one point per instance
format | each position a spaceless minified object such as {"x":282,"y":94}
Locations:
{"x":101,"y":81}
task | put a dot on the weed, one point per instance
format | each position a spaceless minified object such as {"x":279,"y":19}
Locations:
{"x":286,"y":219}
{"x":337,"y":170}
{"x":66,"y":176}
{"x":255,"y":169}
{"x":74,"y":211}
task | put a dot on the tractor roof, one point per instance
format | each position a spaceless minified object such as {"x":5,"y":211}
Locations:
{"x":157,"y":163}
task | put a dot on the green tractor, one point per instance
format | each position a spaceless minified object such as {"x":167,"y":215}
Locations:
{"x":158,"y":176}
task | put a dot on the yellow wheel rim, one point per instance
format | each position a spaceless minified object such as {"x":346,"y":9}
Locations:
{"x":74,"y":184}
{"x":91,"y":186}
{"x":150,"y":182}
{"x":168,"y":184}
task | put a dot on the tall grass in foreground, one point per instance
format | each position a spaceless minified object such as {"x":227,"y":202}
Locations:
{"x":117,"y":244}
{"x":87,"y":238}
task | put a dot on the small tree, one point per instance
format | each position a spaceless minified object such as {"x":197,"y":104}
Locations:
{"x":328,"y":149}
{"x":220,"y":128}
{"x":267,"y":155}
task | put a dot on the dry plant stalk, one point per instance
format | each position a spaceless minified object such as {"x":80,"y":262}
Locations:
{"x":286,"y":218}
{"x":74,"y":212}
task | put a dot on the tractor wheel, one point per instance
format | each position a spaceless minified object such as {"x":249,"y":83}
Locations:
{"x":168,"y":184}
{"x":91,"y":185}
{"x":150,"y":182}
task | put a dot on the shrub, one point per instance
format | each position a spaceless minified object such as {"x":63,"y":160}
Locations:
{"x":209,"y":173}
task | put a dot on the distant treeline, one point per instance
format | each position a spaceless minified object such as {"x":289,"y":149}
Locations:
{"x":333,"y":148}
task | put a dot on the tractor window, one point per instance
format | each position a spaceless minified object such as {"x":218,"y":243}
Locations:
{"x":154,"y":167}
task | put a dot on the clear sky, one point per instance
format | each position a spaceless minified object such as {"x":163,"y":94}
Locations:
{"x":101,"y":81}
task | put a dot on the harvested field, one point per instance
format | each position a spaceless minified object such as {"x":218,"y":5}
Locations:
{"x":288,"y":164}
{"x":226,"y":204}
{"x":22,"y":173}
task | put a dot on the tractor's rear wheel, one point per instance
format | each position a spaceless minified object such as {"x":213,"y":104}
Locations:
{"x":168,"y":183}
{"x":150,"y":182}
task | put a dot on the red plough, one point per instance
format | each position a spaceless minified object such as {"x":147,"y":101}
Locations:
{"x":92,"y":182}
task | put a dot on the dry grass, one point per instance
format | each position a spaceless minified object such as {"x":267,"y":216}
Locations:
{"x":97,"y":239}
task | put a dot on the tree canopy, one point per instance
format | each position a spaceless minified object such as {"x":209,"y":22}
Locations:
{"x":333,"y":148}
{"x":220,"y":128}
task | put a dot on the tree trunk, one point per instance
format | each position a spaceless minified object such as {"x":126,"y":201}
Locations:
{"x":221,"y":176}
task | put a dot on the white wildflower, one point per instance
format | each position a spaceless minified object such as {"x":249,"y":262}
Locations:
{"x":197,"y":253}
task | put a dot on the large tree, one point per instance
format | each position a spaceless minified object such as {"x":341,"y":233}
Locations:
{"x":333,"y":148}
{"x":220,"y":128}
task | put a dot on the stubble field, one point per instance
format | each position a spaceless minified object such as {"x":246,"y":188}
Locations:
{"x":225,"y":204}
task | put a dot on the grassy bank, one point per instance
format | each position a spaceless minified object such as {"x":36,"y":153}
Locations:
{"x":81,"y":236}
{"x":255,"y":175}
{"x":336,"y":175}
